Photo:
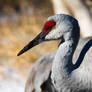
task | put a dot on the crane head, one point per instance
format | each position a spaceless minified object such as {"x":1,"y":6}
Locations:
{"x":59,"y":26}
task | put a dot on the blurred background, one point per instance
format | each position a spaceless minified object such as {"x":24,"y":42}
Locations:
{"x":20,"y":22}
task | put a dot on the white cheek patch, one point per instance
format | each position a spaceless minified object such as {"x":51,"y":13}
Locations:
{"x":51,"y":35}
{"x":54,"y":34}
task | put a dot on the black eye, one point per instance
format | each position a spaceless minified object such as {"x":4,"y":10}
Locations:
{"x":50,"y":27}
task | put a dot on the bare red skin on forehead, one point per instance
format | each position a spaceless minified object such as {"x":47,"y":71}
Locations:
{"x":48,"y":25}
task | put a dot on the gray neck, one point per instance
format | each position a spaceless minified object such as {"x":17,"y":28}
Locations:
{"x":62,"y":64}
{"x":63,"y":58}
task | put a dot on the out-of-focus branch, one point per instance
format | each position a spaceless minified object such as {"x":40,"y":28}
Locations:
{"x":82,"y":14}
{"x":59,"y":7}
{"x":79,"y":11}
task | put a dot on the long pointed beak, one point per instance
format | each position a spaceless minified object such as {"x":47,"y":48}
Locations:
{"x":40,"y":38}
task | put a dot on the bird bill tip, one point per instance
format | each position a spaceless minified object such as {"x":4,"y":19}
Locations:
{"x":19,"y":53}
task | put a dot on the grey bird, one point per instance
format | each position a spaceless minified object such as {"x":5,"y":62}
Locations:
{"x":69,"y":69}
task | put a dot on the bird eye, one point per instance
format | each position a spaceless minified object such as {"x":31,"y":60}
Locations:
{"x":49,"y":25}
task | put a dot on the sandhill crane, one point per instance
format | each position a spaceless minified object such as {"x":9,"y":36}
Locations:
{"x":69,"y":69}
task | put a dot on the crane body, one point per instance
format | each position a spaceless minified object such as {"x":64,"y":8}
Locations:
{"x":69,"y":69}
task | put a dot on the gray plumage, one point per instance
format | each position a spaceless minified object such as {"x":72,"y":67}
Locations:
{"x":69,"y":69}
{"x":39,"y":75}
